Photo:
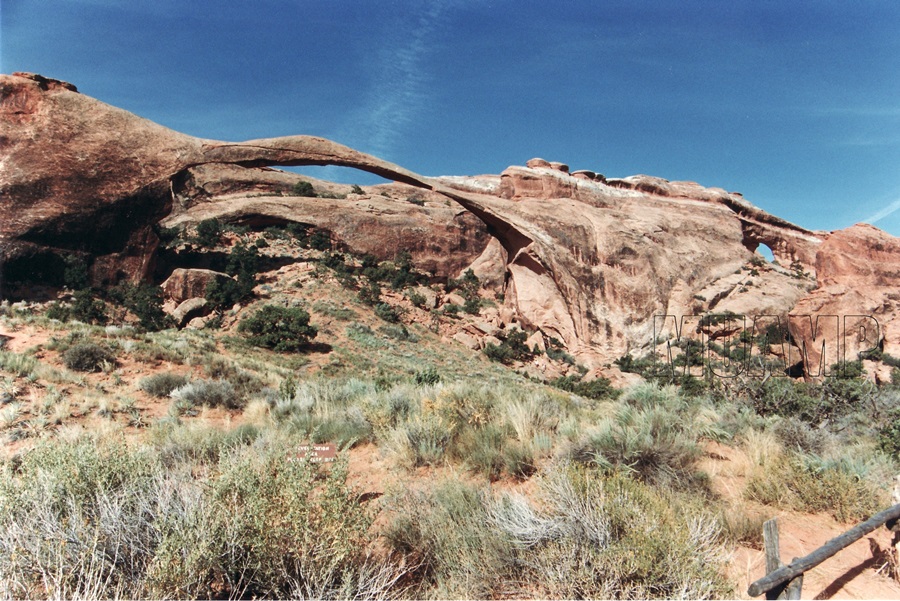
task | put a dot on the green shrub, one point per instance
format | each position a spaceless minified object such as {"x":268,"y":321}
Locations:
{"x":58,"y":311}
{"x":615,"y":539}
{"x":889,"y":433}
{"x":76,"y":275}
{"x":472,"y":306}
{"x":303,"y":188}
{"x":512,"y":348}
{"x":653,"y":444}
{"x":88,"y":357}
{"x":416,"y":298}
{"x":225,"y":293}
{"x":427,"y":377}
{"x":598,"y":388}
{"x":320,"y":240}
{"x":398,"y":332}
{"x":355,"y":189}
{"x":162,"y":384}
{"x":87,"y":309}
{"x":209,"y":232}
{"x":468,"y":285}
{"x":387,"y":313}
{"x":812,"y":484}
{"x":371,"y":294}
{"x":279,"y":328}
{"x":145,"y":301}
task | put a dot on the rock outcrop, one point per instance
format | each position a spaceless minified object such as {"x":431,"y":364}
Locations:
{"x":857,"y":300}
{"x":585,"y":259}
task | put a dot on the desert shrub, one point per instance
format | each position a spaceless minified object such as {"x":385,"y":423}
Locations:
{"x":145,"y":301}
{"x":416,"y":298}
{"x":741,"y":528}
{"x":797,"y":435}
{"x":211,"y":393}
{"x":17,"y":364}
{"x":303,"y":188}
{"x":482,"y":449}
{"x":278,"y":328}
{"x":209,"y":232}
{"x":58,"y":311}
{"x":387,"y":313}
{"x":404,"y":273}
{"x":558,"y":354}
{"x":371,"y":294}
{"x":398,"y":332}
{"x":612,"y":538}
{"x":810,"y":483}
{"x":84,"y":308}
{"x":87,"y":309}
{"x":224,"y":294}
{"x":244,"y":382}
{"x":451,"y":310}
{"x":598,"y":388}
{"x":320,"y":240}
{"x":472,"y":306}
{"x":592,"y":538}
{"x":161,"y":385}
{"x":511,"y":348}
{"x":333,"y":310}
{"x":243,"y":262}
{"x":444,"y":532}
{"x":88,"y":357}
{"x":423,"y":439}
{"x":97,"y":519}
{"x":654,"y":444}
{"x":468,"y":285}
{"x":78,"y":519}
{"x":428,"y":376}
{"x":889,"y":433}
{"x":76,"y":275}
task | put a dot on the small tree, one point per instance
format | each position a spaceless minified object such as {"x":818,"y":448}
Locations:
{"x":279,"y":328}
{"x":302,"y":188}
{"x":145,"y":301}
{"x":209,"y":232}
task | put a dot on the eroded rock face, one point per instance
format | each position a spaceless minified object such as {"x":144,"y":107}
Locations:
{"x":586,"y":260}
{"x":857,"y":299}
{"x":185,"y":284}
{"x":382,"y":221}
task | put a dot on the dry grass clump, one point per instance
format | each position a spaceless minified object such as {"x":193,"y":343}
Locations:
{"x":653,"y":435}
{"x":162,"y":384}
{"x":96,"y":518}
{"x":592,"y":537}
{"x":209,"y":393}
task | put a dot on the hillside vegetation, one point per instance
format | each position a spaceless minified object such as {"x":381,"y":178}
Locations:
{"x":146,"y":461}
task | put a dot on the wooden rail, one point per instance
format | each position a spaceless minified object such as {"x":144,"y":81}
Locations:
{"x":778,"y":575}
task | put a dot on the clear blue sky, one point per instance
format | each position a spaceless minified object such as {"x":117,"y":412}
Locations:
{"x":794,"y":104}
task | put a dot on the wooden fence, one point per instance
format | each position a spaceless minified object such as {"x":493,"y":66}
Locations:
{"x":785,"y":581}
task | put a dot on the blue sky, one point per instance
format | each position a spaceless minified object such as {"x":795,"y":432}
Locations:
{"x":794,"y":104}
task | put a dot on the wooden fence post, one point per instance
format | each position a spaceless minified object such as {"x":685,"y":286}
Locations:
{"x":790,"y":589}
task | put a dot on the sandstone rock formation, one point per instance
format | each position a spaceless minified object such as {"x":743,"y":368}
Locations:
{"x":857,"y":299}
{"x":582,"y":258}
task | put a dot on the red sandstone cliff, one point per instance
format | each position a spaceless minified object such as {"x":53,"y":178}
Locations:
{"x":586,"y":259}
